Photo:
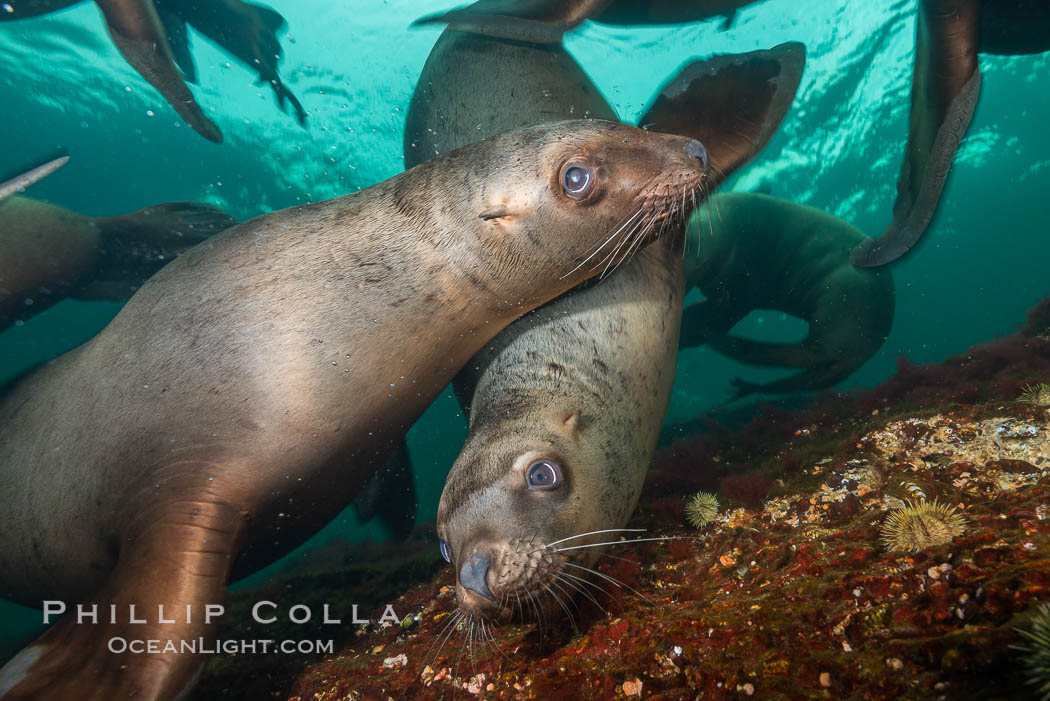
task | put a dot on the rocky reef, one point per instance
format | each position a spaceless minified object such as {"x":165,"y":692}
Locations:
{"x":887,"y":544}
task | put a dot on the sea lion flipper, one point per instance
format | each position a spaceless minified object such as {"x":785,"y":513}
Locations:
{"x":173,"y":225}
{"x":946,"y":83}
{"x":752,"y":352}
{"x":390,"y":494}
{"x":536,"y":21}
{"x":179,"y":41}
{"x":731,"y":103}
{"x":34,"y":175}
{"x":806,"y":381}
{"x":140,"y":37}
{"x":179,"y":556}
{"x":706,"y":319}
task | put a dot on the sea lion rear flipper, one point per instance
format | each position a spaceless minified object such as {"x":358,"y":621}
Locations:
{"x":177,"y":555}
{"x":390,"y":494}
{"x":536,"y":21}
{"x":732,"y":103}
{"x":179,"y":41}
{"x":945,"y":86}
{"x":171,"y":225}
{"x":34,"y":175}
{"x":140,"y":37}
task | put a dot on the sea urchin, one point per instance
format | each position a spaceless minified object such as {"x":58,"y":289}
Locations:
{"x":701,"y":509}
{"x":1036,"y":395}
{"x":1037,"y":653}
{"x":919,"y":526}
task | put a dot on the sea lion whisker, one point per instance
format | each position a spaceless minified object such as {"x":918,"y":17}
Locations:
{"x":582,"y":535}
{"x":645,"y":223}
{"x":615,"y":581}
{"x":455,"y":621}
{"x":621,"y":542}
{"x":492,"y":639}
{"x":449,"y":623}
{"x":585,"y":581}
{"x":623,"y":238}
{"x":581,"y":590}
{"x":564,"y":608}
{"x":623,"y":222}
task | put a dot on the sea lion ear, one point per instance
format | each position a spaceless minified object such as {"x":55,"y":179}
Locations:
{"x":570,"y":423}
{"x":732,"y":104}
{"x":535,"y":21}
{"x":494,"y":212}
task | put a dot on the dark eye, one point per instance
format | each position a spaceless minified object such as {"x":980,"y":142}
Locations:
{"x":543,"y":474}
{"x":577,"y":181}
{"x":446,"y":552}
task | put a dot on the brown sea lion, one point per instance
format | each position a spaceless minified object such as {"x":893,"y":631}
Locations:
{"x":760,"y":252}
{"x":245,"y":30}
{"x":545,"y":21}
{"x":48,"y":253}
{"x":945,"y":86}
{"x":139,"y":35}
{"x":566,"y":404}
{"x":242,"y":396}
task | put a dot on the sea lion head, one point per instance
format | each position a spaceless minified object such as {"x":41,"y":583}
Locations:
{"x":563,"y":201}
{"x":521,"y":507}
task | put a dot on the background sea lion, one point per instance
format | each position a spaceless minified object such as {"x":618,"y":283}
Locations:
{"x":566,"y":404}
{"x":545,"y":21}
{"x":760,"y":252}
{"x":945,"y":86}
{"x":48,"y":253}
{"x":152,"y":36}
{"x":241,"y":397}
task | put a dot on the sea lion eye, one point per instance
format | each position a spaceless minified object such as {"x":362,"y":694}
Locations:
{"x":446,"y":552}
{"x":543,"y":474}
{"x":577,"y":181}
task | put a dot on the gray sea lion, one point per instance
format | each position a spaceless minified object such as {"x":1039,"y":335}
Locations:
{"x":945,"y":86}
{"x":760,"y":252}
{"x":545,"y":21}
{"x":242,"y":396}
{"x":48,"y":253}
{"x":566,"y":404}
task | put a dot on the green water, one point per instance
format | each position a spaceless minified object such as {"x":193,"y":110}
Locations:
{"x":354,"y":65}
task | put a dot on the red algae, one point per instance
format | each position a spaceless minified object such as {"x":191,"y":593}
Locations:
{"x":789,"y":593}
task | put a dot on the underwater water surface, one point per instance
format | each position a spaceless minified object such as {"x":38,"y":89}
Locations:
{"x":354,"y":65}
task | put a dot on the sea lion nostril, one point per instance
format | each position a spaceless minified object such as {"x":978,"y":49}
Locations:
{"x":695,"y":149}
{"x":472,"y":575}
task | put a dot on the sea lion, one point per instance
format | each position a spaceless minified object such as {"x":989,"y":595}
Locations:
{"x":945,"y":86}
{"x":246,"y":31}
{"x":242,"y":396}
{"x":139,"y":35}
{"x":760,"y":252}
{"x":48,"y":253}
{"x":565,"y":405}
{"x":546,"y":21}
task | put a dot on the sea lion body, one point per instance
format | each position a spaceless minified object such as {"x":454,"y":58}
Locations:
{"x":580,"y":385}
{"x":240,"y":398}
{"x":582,"y":382}
{"x":759,"y":252}
{"x":946,"y":84}
{"x":48,"y":253}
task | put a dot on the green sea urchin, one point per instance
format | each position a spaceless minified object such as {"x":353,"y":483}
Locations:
{"x":701,"y":509}
{"x":1036,"y":395}
{"x":919,"y":526}
{"x":1037,"y":653}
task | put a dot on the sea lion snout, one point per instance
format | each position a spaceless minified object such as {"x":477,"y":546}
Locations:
{"x":473,"y":573}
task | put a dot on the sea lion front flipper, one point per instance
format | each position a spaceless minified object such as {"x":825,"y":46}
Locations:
{"x":945,"y":86}
{"x":177,"y":555}
{"x":752,"y":352}
{"x":535,"y":21}
{"x":139,"y":35}
{"x":706,"y":319}
{"x":732,"y":103}
{"x":178,"y":39}
{"x":34,"y":175}
{"x":390,"y":494}
{"x":807,"y":381}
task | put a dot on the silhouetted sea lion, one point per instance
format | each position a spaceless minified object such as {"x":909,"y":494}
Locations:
{"x":242,"y":396}
{"x":759,"y":252}
{"x":566,"y":404}
{"x":944,"y":91}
